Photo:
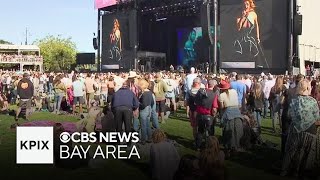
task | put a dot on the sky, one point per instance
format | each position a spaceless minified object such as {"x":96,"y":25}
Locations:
{"x":68,"y":18}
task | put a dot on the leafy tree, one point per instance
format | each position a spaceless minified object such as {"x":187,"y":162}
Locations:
{"x":4,"y":42}
{"x":58,"y":53}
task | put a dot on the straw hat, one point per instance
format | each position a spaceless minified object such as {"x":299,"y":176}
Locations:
{"x":132,"y":74}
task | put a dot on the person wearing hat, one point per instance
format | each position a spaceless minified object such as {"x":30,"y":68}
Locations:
{"x":231,"y":118}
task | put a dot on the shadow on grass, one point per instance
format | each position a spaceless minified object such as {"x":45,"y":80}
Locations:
{"x":180,"y":117}
{"x":142,"y":166}
{"x":187,"y":143}
{"x":260,"y":158}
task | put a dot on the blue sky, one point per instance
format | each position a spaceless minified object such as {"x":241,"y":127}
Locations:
{"x":69,"y":18}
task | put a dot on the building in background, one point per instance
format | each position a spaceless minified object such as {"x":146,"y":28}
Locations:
{"x":309,"y":41}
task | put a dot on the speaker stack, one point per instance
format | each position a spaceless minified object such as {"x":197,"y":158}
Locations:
{"x":297,"y":24}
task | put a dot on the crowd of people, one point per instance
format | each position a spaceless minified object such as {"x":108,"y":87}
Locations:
{"x":20,"y":58}
{"x":139,"y":102}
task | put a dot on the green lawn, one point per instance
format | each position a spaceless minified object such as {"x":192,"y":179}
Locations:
{"x":257,"y":164}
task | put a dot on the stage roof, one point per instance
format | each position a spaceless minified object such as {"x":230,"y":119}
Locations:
{"x":165,"y":7}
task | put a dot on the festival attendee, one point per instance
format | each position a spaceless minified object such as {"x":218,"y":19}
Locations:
{"x":89,"y":84}
{"x":25,"y":91}
{"x":191,"y":102}
{"x":241,"y":89}
{"x":145,"y":104}
{"x":277,"y":99}
{"x":104,"y":90}
{"x":206,"y":110}
{"x":4,"y":105}
{"x":188,"y":83}
{"x":211,"y":160}
{"x":285,"y":119}
{"x":97,"y":90}
{"x":267,"y":84}
{"x":164,"y":157}
{"x":77,"y":88}
{"x":159,"y":89}
{"x":301,"y":147}
{"x":123,"y":103}
{"x":231,"y":118}
{"x":133,"y":86}
{"x":258,"y":99}
{"x":107,"y":121}
{"x":60,"y":92}
{"x":111,"y":88}
{"x":172,"y":92}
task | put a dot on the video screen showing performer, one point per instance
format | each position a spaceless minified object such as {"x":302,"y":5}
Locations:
{"x":253,"y":34}
{"x":248,"y":42}
{"x":188,"y":45}
{"x":115,"y":42}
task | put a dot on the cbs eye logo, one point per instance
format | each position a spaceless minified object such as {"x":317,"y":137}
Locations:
{"x":65,"y":137}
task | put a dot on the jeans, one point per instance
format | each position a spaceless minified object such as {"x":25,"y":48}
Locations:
{"x":57,"y":102}
{"x":123,"y":115}
{"x":104,"y":97}
{"x":276,"y":115}
{"x":205,"y":128}
{"x":154,"y":114}
{"x":257,"y":117}
{"x":266,"y":107}
{"x":50,"y":88}
{"x":145,"y":116}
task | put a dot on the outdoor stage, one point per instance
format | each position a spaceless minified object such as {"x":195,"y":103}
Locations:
{"x":152,"y":35}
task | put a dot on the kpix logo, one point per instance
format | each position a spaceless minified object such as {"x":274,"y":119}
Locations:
{"x":34,"y":145}
{"x":31,"y":145}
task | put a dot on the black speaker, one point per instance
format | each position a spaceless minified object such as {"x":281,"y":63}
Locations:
{"x":95,"y":43}
{"x":86,"y":58}
{"x":296,"y":61}
{"x":204,"y":24}
{"x":206,"y":21}
{"x":297,"y":24}
{"x":133,"y":28}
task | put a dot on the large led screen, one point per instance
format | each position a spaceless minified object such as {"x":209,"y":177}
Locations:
{"x":189,"y":45}
{"x":254,"y":34}
{"x":116,"y":50}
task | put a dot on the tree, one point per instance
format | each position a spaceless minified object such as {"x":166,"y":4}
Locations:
{"x":4,"y":42}
{"x":58,"y":53}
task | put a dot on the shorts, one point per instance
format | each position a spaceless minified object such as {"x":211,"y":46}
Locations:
{"x":25,"y":103}
{"x":78,"y":99}
{"x":161,"y":106}
{"x":90,"y":96}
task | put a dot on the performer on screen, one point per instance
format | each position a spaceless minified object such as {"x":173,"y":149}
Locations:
{"x":190,"y":53}
{"x":115,"y":42}
{"x":115,"y":36}
{"x":248,"y":42}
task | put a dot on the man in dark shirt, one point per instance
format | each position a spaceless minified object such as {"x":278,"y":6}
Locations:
{"x":124,"y":102}
{"x":206,"y":108}
{"x":25,"y":91}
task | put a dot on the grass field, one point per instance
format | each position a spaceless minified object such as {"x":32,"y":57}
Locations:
{"x":256,"y":164}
